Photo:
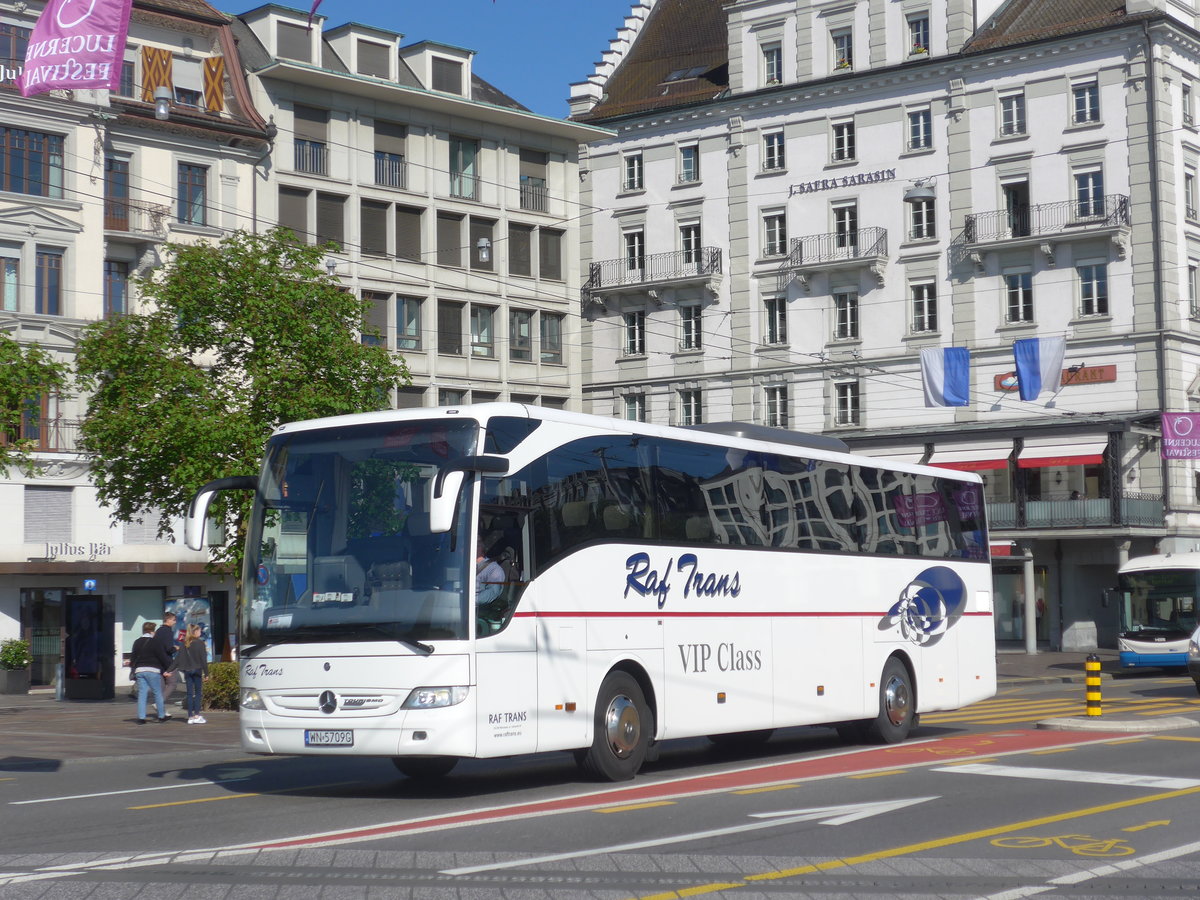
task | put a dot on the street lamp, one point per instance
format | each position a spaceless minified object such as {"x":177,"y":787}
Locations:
{"x":162,"y":103}
{"x":483,"y":247}
{"x":331,"y":266}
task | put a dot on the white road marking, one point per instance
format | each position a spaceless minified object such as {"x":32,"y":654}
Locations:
{"x":160,"y":787}
{"x":826,"y":815}
{"x":1119,"y":779}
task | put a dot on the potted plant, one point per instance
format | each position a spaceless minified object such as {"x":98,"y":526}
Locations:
{"x":842,"y":64}
{"x":919,"y":48}
{"x":14,"y":666}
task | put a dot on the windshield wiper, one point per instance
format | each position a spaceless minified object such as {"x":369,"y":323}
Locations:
{"x":405,"y":638}
{"x":334,"y":631}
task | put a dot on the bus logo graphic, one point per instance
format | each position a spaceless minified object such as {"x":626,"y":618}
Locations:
{"x":929,"y":605}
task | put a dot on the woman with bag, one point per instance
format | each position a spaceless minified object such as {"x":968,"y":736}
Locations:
{"x":192,"y":661}
{"x":147,"y":661}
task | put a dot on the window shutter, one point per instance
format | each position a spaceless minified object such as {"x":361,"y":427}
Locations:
{"x":47,"y":514}
{"x":214,"y":83}
{"x":156,"y":71}
{"x":408,"y":233}
{"x":311,"y":124}
{"x":389,"y":137}
{"x":330,"y":218}
{"x":374,"y":228}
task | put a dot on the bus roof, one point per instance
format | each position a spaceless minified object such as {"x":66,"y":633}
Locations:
{"x":728,"y":434}
{"x":1189,"y":560}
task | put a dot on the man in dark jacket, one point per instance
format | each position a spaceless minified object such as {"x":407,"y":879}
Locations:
{"x":148,"y":661}
{"x":165,"y":638}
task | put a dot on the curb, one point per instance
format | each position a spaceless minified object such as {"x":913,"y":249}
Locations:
{"x":1098,"y":723}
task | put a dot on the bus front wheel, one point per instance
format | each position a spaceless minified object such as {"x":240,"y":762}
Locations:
{"x":425,"y":766}
{"x":897,"y":705}
{"x":622,"y":731}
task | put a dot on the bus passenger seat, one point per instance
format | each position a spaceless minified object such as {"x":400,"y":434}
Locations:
{"x":577,"y":514}
{"x":698,"y":528}
{"x":616,"y":519}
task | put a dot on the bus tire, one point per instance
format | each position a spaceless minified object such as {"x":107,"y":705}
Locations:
{"x":425,"y":766}
{"x":896,"y":705}
{"x":622,"y":727}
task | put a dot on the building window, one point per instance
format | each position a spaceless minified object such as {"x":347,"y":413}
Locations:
{"x":389,"y":155}
{"x":691,"y":409}
{"x":776,"y":401}
{"x":773,"y":158}
{"x":774,"y":234}
{"x":690,"y":335}
{"x":520,"y":249}
{"x":550,"y":248}
{"x":1012,"y":114}
{"x":534,"y":194}
{"x":450,"y":240}
{"x":483,"y":336}
{"x":33,"y":162}
{"x":408,"y":233}
{"x":48,"y":514}
{"x":689,"y":242}
{"x":689,"y":164}
{"x":635,"y":251}
{"x":10,"y":280}
{"x":48,"y":288}
{"x":1189,"y":109}
{"x":193,"y":190}
{"x":450,"y":328}
{"x":310,"y":141}
{"x":633,"y":172}
{"x":1093,"y":289}
{"x":481,"y":240}
{"x":1085,"y":96}
{"x":635,"y":407}
{"x":922,"y":224}
{"x":408,"y":323}
{"x":924,"y":307}
{"x":451,"y":397}
{"x":845,"y":315}
{"x":847,"y":409}
{"x":918,"y":34}
{"x":776,"y":320}
{"x":331,"y":219}
{"x":128,"y":74}
{"x":116,"y":288}
{"x":635,"y":333}
{"x":1018,"y":294}
{"x":552,"y":338}
{"x":920,"y":129}
{"x":1089,"y":194}
{"x":372,"y":219}
{"x":375,"y":319}
{"x":844,"y":149}
{"x":1193,"y":286}
{"x":843,"y":48}
{"x":772,"y":60}
{"x":464,"y":183}
{"x":1189,"y":194}
{"x":447,"y":75}
{"x":845,"y":226}
{"x":520,"y":335}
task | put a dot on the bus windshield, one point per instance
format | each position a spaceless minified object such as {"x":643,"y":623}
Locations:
{"x":339,"y":547}
{"x":1162,"y":601}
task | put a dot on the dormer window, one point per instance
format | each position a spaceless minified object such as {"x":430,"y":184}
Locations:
{"x":293,"y":41}
{"x":447,"y":76}
{"x":374,"y":59}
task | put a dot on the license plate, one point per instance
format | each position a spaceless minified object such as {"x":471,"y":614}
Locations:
{"x":328,"y":738}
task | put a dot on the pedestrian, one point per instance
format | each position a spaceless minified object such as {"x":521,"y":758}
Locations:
{"x":166,"y":639}
{"x":192,"y":661}
{"x":148,"y":661}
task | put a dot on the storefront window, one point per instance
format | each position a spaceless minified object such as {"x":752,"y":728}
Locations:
{"x":42,"y":621}
{"x":1008,"y":583}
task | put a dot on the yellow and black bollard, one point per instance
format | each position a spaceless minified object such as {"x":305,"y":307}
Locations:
{"x":1092,"y":679}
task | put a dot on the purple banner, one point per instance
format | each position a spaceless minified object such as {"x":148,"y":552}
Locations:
{"x":914,"y":510}
{"x":1180,"y":435}
{"x":76,"y":44}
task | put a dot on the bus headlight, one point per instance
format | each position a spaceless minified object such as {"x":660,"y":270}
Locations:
{"x":1193,"y":649}
{"x":434,"y":697}
{"x":251,"y":699}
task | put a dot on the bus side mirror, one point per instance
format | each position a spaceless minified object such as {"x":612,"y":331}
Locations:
{"x":448,"y":484}
{"x":198,"y":510}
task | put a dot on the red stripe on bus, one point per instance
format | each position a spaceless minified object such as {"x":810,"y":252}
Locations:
{"x":660,"y":614}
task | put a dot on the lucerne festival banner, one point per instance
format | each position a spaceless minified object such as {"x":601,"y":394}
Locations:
{"x":1180,"y":435}
{"x":76,"y":44}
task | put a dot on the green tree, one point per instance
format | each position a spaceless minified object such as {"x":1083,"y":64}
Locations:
{"x":26,"y":373}
{"x":240,"y":336}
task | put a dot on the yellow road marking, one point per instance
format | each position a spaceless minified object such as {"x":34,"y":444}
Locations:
{"x":1172,"y":737}
{"x":922,"y":846}
{"x":633,"y":806}
{"x":763,"y":790}
{"x":880,"y":774}
{"x":307,"y":787}
{"x":1051,"y":750}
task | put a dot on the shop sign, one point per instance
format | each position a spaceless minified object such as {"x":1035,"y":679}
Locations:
{"x":1007,"y":382}
{"x":830,"y":184}
{"x":91,"y":552}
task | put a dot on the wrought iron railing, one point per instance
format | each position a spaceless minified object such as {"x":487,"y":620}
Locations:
{"x":655,"y":268}
{"x":136,"y":216}
{"x":390,"y":170}
{"x":1077,"y":512}
{"x":312,"y":157}
{"x":48,"y":435}
{"x":464,"y":186}
{"x":534,"y":196}
{"x":1047,"y":218}
{"x":814,"y":249}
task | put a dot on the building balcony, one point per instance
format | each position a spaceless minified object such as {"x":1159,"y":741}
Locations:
{"x":135,"y":218}
{"x":49,"y":435}
{"x":652,"y":273}
{"x":1045,"y":224}
{"x":311,"y":157}
{"x":390,"y":170}
{"x":863,"y":248}
{"x":1129,"y":509}
{"x":535,"y":197}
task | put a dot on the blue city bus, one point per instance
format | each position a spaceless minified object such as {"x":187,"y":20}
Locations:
{"x":1157,"y":600}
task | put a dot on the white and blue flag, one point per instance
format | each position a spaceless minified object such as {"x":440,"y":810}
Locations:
{"x":946,"y":376}
{"x":1039,"y":365}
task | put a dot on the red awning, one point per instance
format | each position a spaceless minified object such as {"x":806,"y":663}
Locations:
{"x":973,"y":457}
{"x":1058,"y":453}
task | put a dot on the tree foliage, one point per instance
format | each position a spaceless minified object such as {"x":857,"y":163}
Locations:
{"x":26,"y":373}
{"x":240,"y":336}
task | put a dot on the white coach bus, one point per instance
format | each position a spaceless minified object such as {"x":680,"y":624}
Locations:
{"x":722,"y":580}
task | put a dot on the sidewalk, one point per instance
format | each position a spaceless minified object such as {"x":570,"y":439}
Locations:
{"x":39,"y":733}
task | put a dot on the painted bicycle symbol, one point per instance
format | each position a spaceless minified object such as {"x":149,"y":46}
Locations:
{"x":1079,"y":844}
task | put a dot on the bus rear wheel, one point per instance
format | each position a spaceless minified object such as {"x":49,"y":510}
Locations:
{"x":897,"y":705}
{"x":425,"y":766}
{"x":622,"y":730}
